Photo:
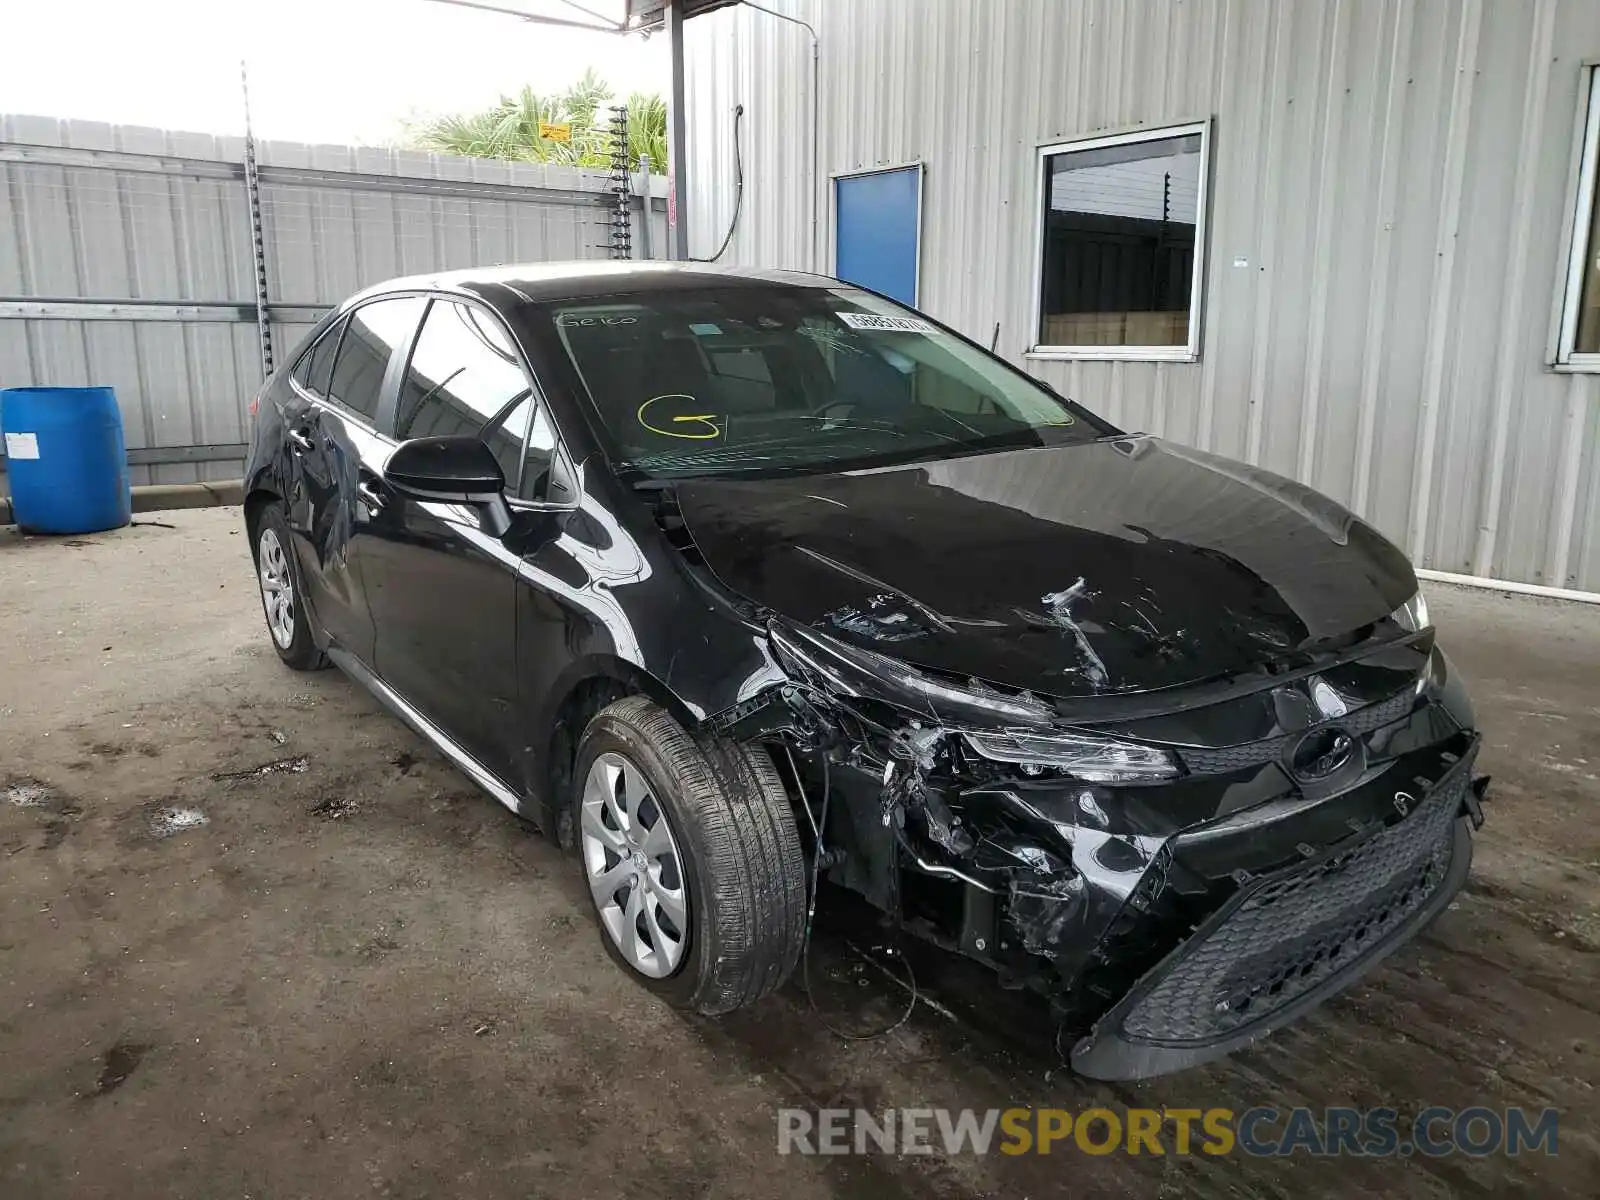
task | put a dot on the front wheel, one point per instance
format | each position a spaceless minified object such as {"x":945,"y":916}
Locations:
{"x":281,"y":594}
{"x":692,"y":859}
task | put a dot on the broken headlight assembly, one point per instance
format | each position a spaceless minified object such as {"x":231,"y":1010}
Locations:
{"x":1083,"y":756}
{"x":833,"y":666}
{"x":1017,"y":729}
{"x":1412,"y":616}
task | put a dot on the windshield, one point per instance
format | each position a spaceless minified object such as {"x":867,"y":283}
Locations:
{"x":780,"y":379}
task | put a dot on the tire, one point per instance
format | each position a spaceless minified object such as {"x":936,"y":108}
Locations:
{"x":731,"y":829}
{"x":278,"y":581}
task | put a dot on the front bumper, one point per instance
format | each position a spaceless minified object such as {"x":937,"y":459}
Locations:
{"x":1288,"y":940}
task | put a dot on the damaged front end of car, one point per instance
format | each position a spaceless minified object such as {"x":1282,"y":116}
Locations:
{"x":1179,"y":872}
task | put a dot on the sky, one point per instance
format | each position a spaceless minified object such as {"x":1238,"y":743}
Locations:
{"x":343,"y":71}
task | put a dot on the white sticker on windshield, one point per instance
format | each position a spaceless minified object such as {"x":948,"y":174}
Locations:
{"x":859,"y":320}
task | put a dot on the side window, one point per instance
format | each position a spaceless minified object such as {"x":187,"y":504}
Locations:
{"x":505,"y":439}
{"x":541,"y":454}
{"x":1122,"y":235}
{"x":464,"y":378}
{"x":316,"y":365}
{"x":371,"y":336}
{"x":1579,"y":345}
{"x":302,"y":367}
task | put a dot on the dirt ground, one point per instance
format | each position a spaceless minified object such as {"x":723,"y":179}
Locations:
{"x":355,"y":974}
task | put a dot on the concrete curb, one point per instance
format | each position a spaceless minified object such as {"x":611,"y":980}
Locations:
{"x":154,"y":497}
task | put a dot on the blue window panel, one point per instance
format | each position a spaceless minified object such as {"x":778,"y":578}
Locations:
{"x":877,"y":230}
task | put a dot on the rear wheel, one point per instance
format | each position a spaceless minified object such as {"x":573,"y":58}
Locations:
{"x":281,"y":596}
{"x":693,"y":862}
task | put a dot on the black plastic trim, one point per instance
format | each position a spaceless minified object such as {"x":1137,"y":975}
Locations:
{"x":1105,"y":1053}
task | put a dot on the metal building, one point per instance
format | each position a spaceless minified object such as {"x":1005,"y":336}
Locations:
{"x":1347,"y":240}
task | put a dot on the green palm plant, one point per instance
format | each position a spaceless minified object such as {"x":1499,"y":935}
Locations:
{"x":510,"y":128}
{"x":647,"y":129}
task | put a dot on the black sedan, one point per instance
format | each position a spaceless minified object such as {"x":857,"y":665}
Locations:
{"x":728,"y":579}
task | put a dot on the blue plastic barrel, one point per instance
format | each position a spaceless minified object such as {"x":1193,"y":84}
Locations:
{"x":65,"y":459}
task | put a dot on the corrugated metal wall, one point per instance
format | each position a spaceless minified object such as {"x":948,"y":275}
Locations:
{"x":160,"y":217}
{"x":1395,"y":173}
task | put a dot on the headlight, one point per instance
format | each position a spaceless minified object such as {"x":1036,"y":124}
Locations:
{"x":1412,"y":616}
{"x":1083,"y":756}
{"x":851,"y":671}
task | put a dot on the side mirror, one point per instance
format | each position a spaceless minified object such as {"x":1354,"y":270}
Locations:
{"x":452,"y":470}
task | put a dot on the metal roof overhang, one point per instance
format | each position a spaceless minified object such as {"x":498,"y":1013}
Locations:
{"x":647,"y":14}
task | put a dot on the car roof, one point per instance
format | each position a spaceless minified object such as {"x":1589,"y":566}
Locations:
{"x":539,"y":282}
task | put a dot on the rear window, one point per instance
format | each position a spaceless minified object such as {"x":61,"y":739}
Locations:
{"x":316,"y":364}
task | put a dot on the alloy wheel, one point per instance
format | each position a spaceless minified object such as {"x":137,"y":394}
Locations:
{"x":277,"y":588}
{"x":633,"y":866}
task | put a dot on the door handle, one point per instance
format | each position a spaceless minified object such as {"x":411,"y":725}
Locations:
{"x":370,"y":495}
{"x":300,"y":439}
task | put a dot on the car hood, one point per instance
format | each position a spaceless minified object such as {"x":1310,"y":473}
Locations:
{"x":1106,"y":567}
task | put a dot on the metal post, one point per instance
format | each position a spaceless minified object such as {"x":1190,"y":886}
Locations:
{"x":620,"y":243}
{"x":645,"y":234}
{"x":252,"y":193}
{"x":677,"y":158}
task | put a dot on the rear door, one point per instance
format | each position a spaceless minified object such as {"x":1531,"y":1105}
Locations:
{"x":336,"y":452}
{"x":443,"y":592}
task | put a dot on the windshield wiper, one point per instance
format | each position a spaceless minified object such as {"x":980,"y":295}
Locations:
{"x":693,"y":470}
{"x":744,"y":458}
{"x":800,"y":450}
{"x":760,"y":454}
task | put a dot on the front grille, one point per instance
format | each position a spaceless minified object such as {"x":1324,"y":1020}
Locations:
{"x":1205,"y":760}
{"x":1285,"y":934}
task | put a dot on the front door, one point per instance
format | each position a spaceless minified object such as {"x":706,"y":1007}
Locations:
{"x":442,"y":591}
{"x":333,"y":446}
{"x":878,"y":231}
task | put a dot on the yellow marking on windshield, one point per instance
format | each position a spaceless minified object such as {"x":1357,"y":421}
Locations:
{"x":705,"y":420}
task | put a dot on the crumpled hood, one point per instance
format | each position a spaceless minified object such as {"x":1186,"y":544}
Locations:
{"x":1106,"y":567}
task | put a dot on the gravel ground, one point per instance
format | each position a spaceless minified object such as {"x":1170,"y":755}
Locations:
{"x":257,"y":939}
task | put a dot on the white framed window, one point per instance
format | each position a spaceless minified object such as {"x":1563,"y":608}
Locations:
{"x":1120,"y":245}
{"x":1578,"y":342}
